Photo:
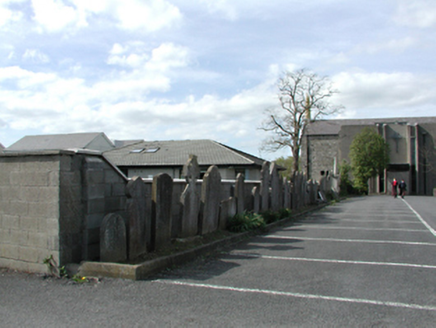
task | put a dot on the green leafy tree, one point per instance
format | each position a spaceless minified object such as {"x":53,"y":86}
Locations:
{"x":303,"y":97}
{"x":369,"y":154}
{"x":287,"y":163}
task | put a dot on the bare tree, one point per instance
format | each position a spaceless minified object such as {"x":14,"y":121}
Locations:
{"x":304,"y":97}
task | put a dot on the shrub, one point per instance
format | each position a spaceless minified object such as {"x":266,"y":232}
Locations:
{"x":245,"y":222}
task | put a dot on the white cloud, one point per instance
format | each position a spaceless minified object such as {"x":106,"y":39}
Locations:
{"x":7,"y":15}
{"x":387,"y":93}
{"x":151,"y":16}
{"x":53,"y":15}
{"x":417,"y":13}
{"x":57,"y":15}
{"x":394,"y":45}
{"x":167,"y":56}
{"x":36,"y":56}
{"x":225,"y":7}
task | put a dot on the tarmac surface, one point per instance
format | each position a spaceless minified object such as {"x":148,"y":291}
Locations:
{"x":363,"y":262}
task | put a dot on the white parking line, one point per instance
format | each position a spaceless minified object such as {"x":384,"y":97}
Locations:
{"x":299,"y":295}
{"x":421,"y":219}
{"x":326,"y":220}
{"x":321,"y":227}
{"x":284,"y":258}
{"x":353,"y":240}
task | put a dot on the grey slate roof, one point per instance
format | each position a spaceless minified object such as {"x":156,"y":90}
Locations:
{"x":331,"y":127}
{"x":56,"y":141}
{"x":122,"y":143}
{"x":1,"y":146}
{"x":176,"y":153}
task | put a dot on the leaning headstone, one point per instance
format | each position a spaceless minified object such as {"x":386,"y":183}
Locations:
{"x":240,"y":193}
{"x":161,"y":196}
{"x":113,"y":239}
{"x":264,"y":186}
{"x":190,"y":199}
{"x":137,"y":230}
{"x":210,"y":200}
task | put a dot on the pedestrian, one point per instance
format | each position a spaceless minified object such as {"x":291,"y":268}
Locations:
{"x":402,"y":186}
{"x":394,"y":188}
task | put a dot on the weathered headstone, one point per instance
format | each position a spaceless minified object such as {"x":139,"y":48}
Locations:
{"x":286,"y":194}
{"x":190,"y":199}
{"x":256,"y":199}
{"x":137,"y":230}
{"x":275,"y":187}
{"x":240,"y":193}
{"x":228,"y":210}
{"x":162,"y":191}
{"x":113,"y":239}
{"x":264,"y":186}
{"x":210,"y":200}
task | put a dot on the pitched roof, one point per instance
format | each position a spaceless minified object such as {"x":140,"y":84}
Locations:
{"x":122,"y":143}
{"x":331,"y":127}
{"x":176,"y":153}
{"x":1,"y":146}
{"x":56,"y":141}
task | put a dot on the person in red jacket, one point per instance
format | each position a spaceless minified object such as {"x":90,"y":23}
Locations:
{"x":394,"y":188}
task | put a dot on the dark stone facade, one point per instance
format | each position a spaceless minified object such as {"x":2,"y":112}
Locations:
{"x":326,"y":144}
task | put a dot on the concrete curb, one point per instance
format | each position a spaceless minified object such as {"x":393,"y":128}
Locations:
{"x":143,"y":270}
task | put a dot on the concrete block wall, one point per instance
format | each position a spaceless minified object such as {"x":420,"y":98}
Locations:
{"x":52,"y":204}
{"x":29,"y":211}
{"x":103,"y":192}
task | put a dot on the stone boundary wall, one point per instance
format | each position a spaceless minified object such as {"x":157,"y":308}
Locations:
{"x":59,"y":203}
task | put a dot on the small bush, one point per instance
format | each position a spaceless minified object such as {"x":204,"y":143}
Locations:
{"x":270,"y":216}
{"x":245,"y":222}
{"x":284,"y":213}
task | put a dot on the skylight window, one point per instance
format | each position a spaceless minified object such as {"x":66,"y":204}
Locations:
{"x":137,"y":151}
{"x":145,"y":150}
{"x":151,"y":150}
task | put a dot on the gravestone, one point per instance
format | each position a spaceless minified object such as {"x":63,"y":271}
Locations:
{"x":113,"y":239}
{"x":275,"y":187}
{"x":210,"y":200}
{"x":240,"y":193}
{"x":264,"y":186}
{"x":256,"y":199}
{"x":137,"y":230}
{"x":286,"y":193}
{"x":228,"y":210}
{"x":161,"y":196}
{"x":190,"y":199}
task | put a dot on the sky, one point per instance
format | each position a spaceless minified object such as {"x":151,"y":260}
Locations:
{"x":201,"y":69}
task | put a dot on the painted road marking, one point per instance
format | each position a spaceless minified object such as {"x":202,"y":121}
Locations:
{"x":353,"y":240}
{"x":420,"y":218}
{"x":284,"y":258}
{"x":321,"y":227}
{"x":333,"y":220}
{"x":299,"y":295}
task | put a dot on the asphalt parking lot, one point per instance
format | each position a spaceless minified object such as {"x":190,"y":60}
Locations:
{"x":363,"y":262}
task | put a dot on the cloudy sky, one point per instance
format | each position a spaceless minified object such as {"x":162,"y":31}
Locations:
{"x":202,"y":69}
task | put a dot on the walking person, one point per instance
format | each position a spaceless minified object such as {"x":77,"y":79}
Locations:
{"x":394,"y":188}
{"x":402,"y":186}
